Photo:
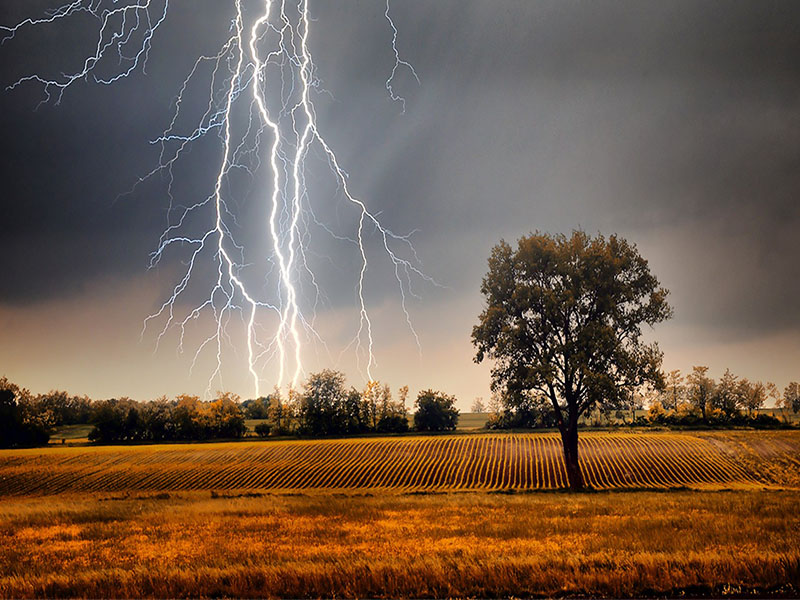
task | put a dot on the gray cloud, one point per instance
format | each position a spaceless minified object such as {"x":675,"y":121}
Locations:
{"x":675,"y":124}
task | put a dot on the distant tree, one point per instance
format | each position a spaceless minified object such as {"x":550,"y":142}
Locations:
{"x":57,"y":403}
{"x":700,"y":389}
{"x":774,"y":393}
{"x":727,"y":395}
{"x":133,"y":427}
{"x":256,"y":409}
{"x":635,"y":399}
{"x":79,"y":411}
{"x":392,"y":416}
{"x":188,"y":418}
{"x":64,"y":409}
{"x":354,"y":414}
{"x":791,"y":397}
{"x":393,"y":422}
{"x":496,"y":402}
{"x":22,"y":424}
{"x":156,"y":417}
{"x":115,"y":420}
{"x":322,"y":404}
{"x":478,"y":406}
{"x":563,"y":321}
{"x":402,"y":396}
{"x":753,"y":395}
{"x":282,"y":413}
{"x":262,"y":430}
{"x":656,"y":412}
{"x":674,"y":390}
{"x":226,"y":417}
{"x":524,"y":411}
{"x":371,"y":399}
{"x":435,"y":411}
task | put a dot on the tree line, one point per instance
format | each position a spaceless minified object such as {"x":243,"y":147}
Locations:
{"x":698,"y":398}
{"x":324,"y":406}
{"x":693,"y":400}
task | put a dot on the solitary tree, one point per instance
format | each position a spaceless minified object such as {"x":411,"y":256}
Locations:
{"x":563,"y":320}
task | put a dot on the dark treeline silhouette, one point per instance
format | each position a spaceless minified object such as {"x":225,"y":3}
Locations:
{"x":325,"y":406}
{"x":185,"y":418}
{"x":22,"y":422}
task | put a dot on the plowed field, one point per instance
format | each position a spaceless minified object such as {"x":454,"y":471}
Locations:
{"x":452,"y":462}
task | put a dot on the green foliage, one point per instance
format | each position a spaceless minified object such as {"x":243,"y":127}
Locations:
{"x":282,"y":414}
{"x":380,"y":412}
{"x":526,"y":411}
{"x":66,"y":409}
{"x":356,"y":417}
{"x":691,"y":417}
{"x":563,"y":321}
{"x":564,"y":316}
{"x":156,"y":420}
{"x":262,"y":430}
{"x":435,"y":411}
{"x":186,"y":418}
{"x":326,"y":407}
{"x":109,"y":419}
{"x":23,"y":422}
{"x":226,"y":417}
{"x":393,"y":423}
{"x":322,"y":404}
{"x":256,"y":409}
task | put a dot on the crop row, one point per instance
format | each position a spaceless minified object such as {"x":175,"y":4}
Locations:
{"x":468,"y":462}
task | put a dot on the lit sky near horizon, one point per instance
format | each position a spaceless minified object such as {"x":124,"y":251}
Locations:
{"x":675,"y":125}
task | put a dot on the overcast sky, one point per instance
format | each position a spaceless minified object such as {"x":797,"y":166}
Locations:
{"x":673,"y":124}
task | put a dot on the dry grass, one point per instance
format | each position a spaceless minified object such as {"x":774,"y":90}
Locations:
{"x":615,"y":460}
{"x":464,"y":544}
{"x":144,"y":521}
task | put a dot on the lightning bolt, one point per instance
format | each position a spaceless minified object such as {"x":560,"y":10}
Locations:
{"x":260,"y":105}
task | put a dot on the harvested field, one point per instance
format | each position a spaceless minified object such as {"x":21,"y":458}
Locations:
{"x":431,"y":463}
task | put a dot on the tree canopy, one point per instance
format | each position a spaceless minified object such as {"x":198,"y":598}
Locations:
{"x":435,"y":411}
{"x":563,"y":321}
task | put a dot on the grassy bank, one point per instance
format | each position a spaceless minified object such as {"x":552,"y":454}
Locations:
{"x":467,"y":544}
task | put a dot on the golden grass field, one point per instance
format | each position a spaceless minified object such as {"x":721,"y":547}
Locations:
{"x":414,"y":463}
{"x":399,"y":545}
{"x":410,"y":516}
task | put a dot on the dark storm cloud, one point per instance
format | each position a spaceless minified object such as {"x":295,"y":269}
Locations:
{"x":676,"y":124}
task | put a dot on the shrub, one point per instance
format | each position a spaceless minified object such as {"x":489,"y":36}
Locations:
{"x":435,"y":411}
{"x":393,"y":423}
{"x":262,"y":430}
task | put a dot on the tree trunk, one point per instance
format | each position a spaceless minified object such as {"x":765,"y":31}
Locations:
{"x":569,"y":438}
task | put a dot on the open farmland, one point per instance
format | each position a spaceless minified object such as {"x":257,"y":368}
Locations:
{"x":261,"y":519}
{"x":421,"y":463}
{"x":191,"y":544}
